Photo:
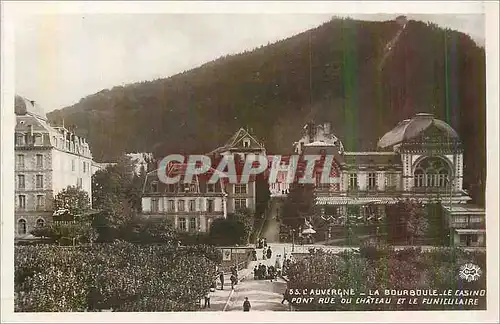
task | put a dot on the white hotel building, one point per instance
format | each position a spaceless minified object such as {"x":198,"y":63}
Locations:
{"x":48,"y":159}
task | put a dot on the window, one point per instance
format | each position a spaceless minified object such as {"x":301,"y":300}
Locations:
{"x":192,"y":188}
{"x":210,"y":187}
{"x":84,"y":166}
{"x":475,"y":219}
{"x":72,"y":165}
{"x":22,"y":202}
{"x":432,"y":172}
{"x":372,"y":180}
{"x":38,"y":139}
{"x":353,"y":181}
{"x":20,"y":139}
{"x":20,"y":161}
{"x":40,"y":222}
{"x":171,"y":205}
{"x":240,"y":204}
{"x":79,"y":182}
{"x":240,"y":189}
{"x":180,"y":206}
{"x":246,"y":143}
{"x":182,"y":224}
{"x":171,"y":188}
{"x":21,"y":227}
{"x":192,"y":224}
{"x":154,"y":187}
{"x":419,"y":178}
{"x":39,"y":161}
{"x":21,"y":183}
{"x":155,"y":205}
{"x":210,"y":205}
{"x":40,"y":201}
{"x":192,"y":205}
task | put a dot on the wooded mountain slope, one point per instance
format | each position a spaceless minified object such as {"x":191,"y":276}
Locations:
{"x":330,"y":73}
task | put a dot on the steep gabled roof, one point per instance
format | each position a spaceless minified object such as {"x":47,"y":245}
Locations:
{"x":236,"y":141}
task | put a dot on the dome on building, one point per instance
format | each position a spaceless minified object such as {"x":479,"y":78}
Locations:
{"x":411,"y":128}
{"x":23,"y":106}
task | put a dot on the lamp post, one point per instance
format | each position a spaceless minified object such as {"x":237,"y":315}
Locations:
{"x":293,"y":240}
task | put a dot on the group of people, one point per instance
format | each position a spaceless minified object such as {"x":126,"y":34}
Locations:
{"x":262,"y":272}
{"x":261,"y":243}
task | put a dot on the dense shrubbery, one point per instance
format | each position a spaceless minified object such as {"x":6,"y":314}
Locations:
{"x":379,"y":267}
{"x":119,"y":276}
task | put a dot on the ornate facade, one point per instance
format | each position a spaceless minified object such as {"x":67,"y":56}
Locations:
{"x":421,"y":158}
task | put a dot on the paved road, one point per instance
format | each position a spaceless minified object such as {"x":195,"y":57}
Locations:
{"x":263,"y":295}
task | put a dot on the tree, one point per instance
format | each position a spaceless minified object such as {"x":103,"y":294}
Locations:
{"x":116,"y":193}
{"x":229,"y":231}
{"x":72,"y":202}
{"x":406,"y":221}
{"x":298,"y":205}
{"x":245,"y":217}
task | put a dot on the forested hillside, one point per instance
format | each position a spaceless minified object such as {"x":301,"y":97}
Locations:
{"x":330,"y":73}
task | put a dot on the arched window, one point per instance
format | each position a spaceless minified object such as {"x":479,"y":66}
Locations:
{"x":419,"y":177}
{"x":432,"y":172}
{"x":21,"y":227}
{"x":40,"y":222}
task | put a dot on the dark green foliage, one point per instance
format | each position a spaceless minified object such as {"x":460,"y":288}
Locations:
{"x":119,"y":276}
{"x":329,"y":73}
{"x":298,"y":205}
{"x":380,"y":268}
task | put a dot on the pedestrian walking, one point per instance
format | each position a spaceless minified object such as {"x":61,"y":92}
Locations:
{"x":286,"y":296}
{"x":207,"y":299}
{"x":246,"y":305}
{"x":269,"y":252}
{"x":221,"y":278}
{"x":233,"y":281}
{"x":265,"y":242}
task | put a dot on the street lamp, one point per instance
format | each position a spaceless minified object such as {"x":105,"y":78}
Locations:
{"x":293,"y":240}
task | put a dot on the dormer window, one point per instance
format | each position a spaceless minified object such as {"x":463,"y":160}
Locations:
{"x":20,"y":139}
{"x":154,"y":187}
{"x":38,"y":139}
{"x":246,"y":143}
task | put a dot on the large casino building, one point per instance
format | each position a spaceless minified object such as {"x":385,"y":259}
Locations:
{"x":420,"y":158}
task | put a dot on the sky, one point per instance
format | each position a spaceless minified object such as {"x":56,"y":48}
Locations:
{"x":60,"y":59}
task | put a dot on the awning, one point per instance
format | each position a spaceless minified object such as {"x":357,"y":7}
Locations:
{"x":355,"y":200}
{"x":469,"y":231}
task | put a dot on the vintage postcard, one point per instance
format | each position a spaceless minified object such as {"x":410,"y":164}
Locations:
{"x":198,"y":161}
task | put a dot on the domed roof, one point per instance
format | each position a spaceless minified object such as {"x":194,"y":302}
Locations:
{"x":410,"y":128}
{"x":23,"y":106}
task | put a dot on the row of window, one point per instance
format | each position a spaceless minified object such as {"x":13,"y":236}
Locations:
{"x":181,"y":205}
{"x":183,"y":224}
{"x":26,"y":139}
{"x":21,"y":202}
{"x":372,"y":181}
{"x":22,"y":226}
{"x":20,"y":163}
{"x":238,"y":188}
{"x":21,"y":181}
{"x":239,"y":203}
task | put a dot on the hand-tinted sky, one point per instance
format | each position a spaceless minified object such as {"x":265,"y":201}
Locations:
{"x":60,"y":59}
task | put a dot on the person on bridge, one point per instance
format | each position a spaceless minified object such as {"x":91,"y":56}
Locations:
{"x":221,"y":278}
{"x":246,"y":305}
{"x":269,"y":252}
